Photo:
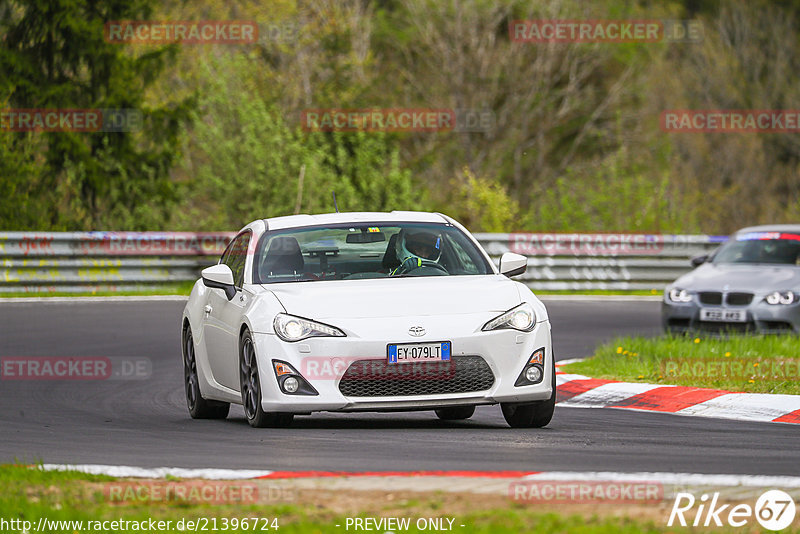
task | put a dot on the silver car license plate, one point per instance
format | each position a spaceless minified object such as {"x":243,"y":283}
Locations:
{"x":721,"y":315}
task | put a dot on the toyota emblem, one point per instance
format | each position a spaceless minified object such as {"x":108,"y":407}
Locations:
{"x":416,"y":331}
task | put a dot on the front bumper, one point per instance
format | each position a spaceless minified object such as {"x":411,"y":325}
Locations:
{"x":322,"y":362}
{"x":761,"y":318}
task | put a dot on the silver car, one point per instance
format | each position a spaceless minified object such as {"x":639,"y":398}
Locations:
{"x":749,"y":284}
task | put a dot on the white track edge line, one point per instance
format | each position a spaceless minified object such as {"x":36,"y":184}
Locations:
{"x":124,"y":471}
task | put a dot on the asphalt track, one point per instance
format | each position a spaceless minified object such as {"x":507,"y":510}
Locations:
{"x":145,"y":422}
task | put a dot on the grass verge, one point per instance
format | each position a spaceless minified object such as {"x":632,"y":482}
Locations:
{"x":56,"y":496}
{"x":182,"y":288}
{"x":753,"y":364}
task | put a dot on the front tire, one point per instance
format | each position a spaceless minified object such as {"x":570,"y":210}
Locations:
{"x":532,"y":414}
{"x":455,"y":413}
{"x":250,"y":385}
{"x":199,"y":408}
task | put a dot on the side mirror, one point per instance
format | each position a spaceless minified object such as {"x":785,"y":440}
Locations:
{"x":697,"y":261}
{"x":219,"y":277}
{"x":513,"y":264}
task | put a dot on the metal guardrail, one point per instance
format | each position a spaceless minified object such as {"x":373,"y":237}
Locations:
{"x":574,"y":262}
{"x":37,"y":262}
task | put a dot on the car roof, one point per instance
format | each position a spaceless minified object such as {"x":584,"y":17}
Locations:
{"x":294,"y":221}
{"x":770,"y":228}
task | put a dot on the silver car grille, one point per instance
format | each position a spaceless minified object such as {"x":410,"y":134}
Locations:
{"x":739,"y":299}
{"x":715,"y":298}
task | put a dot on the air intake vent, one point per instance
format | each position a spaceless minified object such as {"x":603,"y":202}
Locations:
{"x":377,"y":378}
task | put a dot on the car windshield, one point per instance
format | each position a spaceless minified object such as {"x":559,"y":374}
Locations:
{"x":761,"y":247}
{"x":366,"y":250}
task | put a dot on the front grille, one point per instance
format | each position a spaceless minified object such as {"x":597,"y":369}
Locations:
{"x":739,"y":299}
{"x":710,"y":297}
{"x":377,"y":378}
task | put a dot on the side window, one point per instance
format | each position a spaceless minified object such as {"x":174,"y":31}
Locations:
{"x":236,"y":257}
{"x":466,"y":263}
{"x":227,"y":253}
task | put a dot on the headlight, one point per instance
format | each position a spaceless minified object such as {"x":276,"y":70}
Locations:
{"x":291,"y":328}
{"x":520,"y":318}
{"x":781,"y":297}
{"x":679,"y":295}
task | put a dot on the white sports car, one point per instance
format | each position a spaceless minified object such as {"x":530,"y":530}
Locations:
{"x":365,"y":312}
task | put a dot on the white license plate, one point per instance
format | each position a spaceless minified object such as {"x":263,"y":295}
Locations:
{"x":723,"y":316}
{"x":419,"y":352}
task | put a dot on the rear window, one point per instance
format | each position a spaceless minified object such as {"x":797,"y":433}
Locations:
{"x":359,"y":251}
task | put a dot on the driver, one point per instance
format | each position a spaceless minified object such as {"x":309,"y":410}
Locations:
{"x":767,"y":252}
{"x":416,"y":248}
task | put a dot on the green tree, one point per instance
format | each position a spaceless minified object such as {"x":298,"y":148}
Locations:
{"x":54,"y":56}
{"x":247,"y":157}
{"x":19,"y":204}
{"x":482,"y":205}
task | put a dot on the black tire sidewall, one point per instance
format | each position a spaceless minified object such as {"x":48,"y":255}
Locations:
{"x":258,"y":416}
{"x":203,"y":409}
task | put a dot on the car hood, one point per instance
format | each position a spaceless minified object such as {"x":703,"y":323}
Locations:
{"x":738,"y":277}
{"x":397,"y":297}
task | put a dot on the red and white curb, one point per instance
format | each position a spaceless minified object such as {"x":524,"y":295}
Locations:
{"x":124,"y":471}
{"x":580,"y":391}
{"x":677,"y":479}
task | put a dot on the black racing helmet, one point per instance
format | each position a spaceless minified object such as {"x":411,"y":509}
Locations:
{"x":423,"y":244}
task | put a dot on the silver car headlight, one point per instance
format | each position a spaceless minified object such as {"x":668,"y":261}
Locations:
{"x":521,"y":318}
{"x":782,"y":297}
{"x":291,"y":328}
{"x":679,"y":295}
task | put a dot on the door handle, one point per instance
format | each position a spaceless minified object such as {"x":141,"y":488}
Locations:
{"x":208,"y":309}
